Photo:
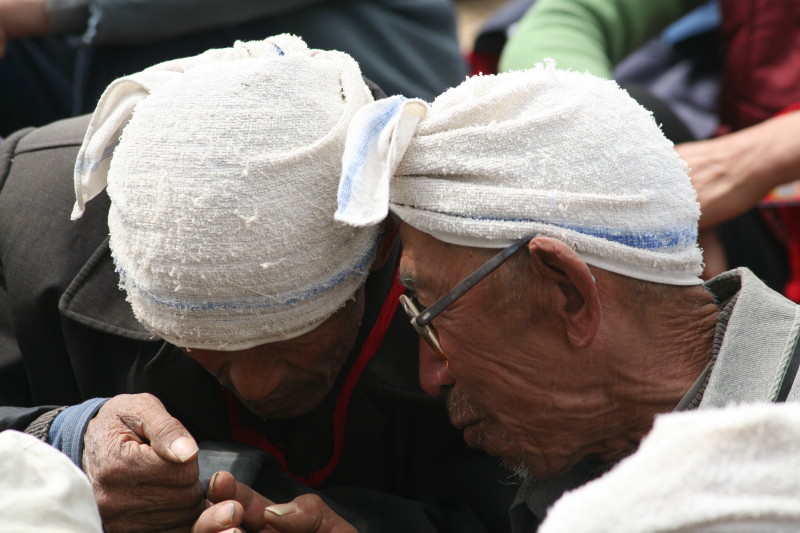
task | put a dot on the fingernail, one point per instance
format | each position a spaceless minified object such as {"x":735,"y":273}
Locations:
{"x":282,"y":509}
{"x":183,"y":448}
{"x":224,"y":515}
{"x":210,"y":489}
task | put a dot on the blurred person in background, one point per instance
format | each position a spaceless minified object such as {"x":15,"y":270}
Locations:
{"x":59,"y":55}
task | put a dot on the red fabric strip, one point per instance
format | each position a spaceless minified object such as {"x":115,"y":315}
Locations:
{"x":254,"y":437}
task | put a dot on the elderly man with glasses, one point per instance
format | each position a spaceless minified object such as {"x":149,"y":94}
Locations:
{"x":557,"y":353}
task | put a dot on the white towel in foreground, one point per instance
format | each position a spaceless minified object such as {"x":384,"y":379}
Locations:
{"x":731,"y":470}
{"x":41,"y":490}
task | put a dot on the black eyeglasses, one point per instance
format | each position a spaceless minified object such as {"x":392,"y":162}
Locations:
{"x":421,"y":317}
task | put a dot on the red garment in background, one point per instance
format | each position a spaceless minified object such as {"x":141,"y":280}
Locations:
{"x":762,"y":79}
{"x":762,"y":63}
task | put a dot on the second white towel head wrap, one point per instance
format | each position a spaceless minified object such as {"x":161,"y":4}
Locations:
{"x":222,"y":172}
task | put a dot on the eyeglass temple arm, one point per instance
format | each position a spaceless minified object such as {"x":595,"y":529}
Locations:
{"x":430,"y":312}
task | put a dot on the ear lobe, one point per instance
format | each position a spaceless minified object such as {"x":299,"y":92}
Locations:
{"x":577,"y":302}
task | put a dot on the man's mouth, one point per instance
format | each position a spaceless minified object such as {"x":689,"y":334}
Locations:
{"x":471,"y":430}
{"x":465,"y":422}
{"x":473,"y":434}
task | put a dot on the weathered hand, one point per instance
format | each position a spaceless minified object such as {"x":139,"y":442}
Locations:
{"x":731,"y":173}
{"x":143,"y":467}
{"x":22,"y":18}
{"x":234,"y":507}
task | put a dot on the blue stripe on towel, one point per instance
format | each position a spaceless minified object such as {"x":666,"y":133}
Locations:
{"x":366,"y":140}
{"x":664,"y":238}
{"x":92,"y":166}
{"x":261,"y":302}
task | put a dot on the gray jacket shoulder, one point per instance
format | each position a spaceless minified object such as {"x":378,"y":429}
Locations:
{"x":67,"y":132}
{"x":60,"y":134}
{"x":758,"y":358}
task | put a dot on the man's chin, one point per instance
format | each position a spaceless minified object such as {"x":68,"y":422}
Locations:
{"x":519,"y":473}
{"x":511,"y":459}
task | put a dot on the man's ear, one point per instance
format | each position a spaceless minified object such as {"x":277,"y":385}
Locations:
{"x":577,"y":302}
{"x":386,"y":242}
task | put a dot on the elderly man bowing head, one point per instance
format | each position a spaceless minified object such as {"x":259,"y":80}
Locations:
{"x":221,"y":172}
{"x":549,"y":234}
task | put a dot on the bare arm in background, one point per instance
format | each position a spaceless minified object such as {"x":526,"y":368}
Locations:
{"x":22,"y":18}
{"x":733,"y":172}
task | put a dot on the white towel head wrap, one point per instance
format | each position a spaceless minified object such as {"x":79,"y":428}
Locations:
{"x":537,"y":152}
{"x":222,"y":172}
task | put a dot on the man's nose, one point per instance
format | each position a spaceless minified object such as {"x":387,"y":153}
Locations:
{"x":254,"y":382}
{"x":252,"y":374}
{"x":434,"y":376}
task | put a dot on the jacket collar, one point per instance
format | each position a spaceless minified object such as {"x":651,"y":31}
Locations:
{"x":760,"y":340}
{"x":94,"y":298}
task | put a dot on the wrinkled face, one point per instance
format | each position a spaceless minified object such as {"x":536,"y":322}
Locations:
{"x":506,"y":371}
{"x":288,"y":378}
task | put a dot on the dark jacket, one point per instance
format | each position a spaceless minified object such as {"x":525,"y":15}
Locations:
{"x":68,"y":335}
{"x":408,"y":47}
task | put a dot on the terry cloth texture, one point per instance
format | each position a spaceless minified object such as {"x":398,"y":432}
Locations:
{"x":222,"y":172}
{"x":538,"y":152}
{"x":42,"y":490}
{"x":710,"y":471}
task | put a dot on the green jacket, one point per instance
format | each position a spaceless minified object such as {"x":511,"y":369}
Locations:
{"x":588,"y":35}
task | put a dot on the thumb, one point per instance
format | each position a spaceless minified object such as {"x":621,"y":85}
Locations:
{"x":166,"y":435}
{"x":306,"y":514}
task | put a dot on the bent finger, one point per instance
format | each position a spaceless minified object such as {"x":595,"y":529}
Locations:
{"x":223,"y":486}
{"x":165,"y":433}
{"x":135,"y":464}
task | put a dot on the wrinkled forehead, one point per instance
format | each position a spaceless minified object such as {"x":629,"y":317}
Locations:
{"x":429,"y":264}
